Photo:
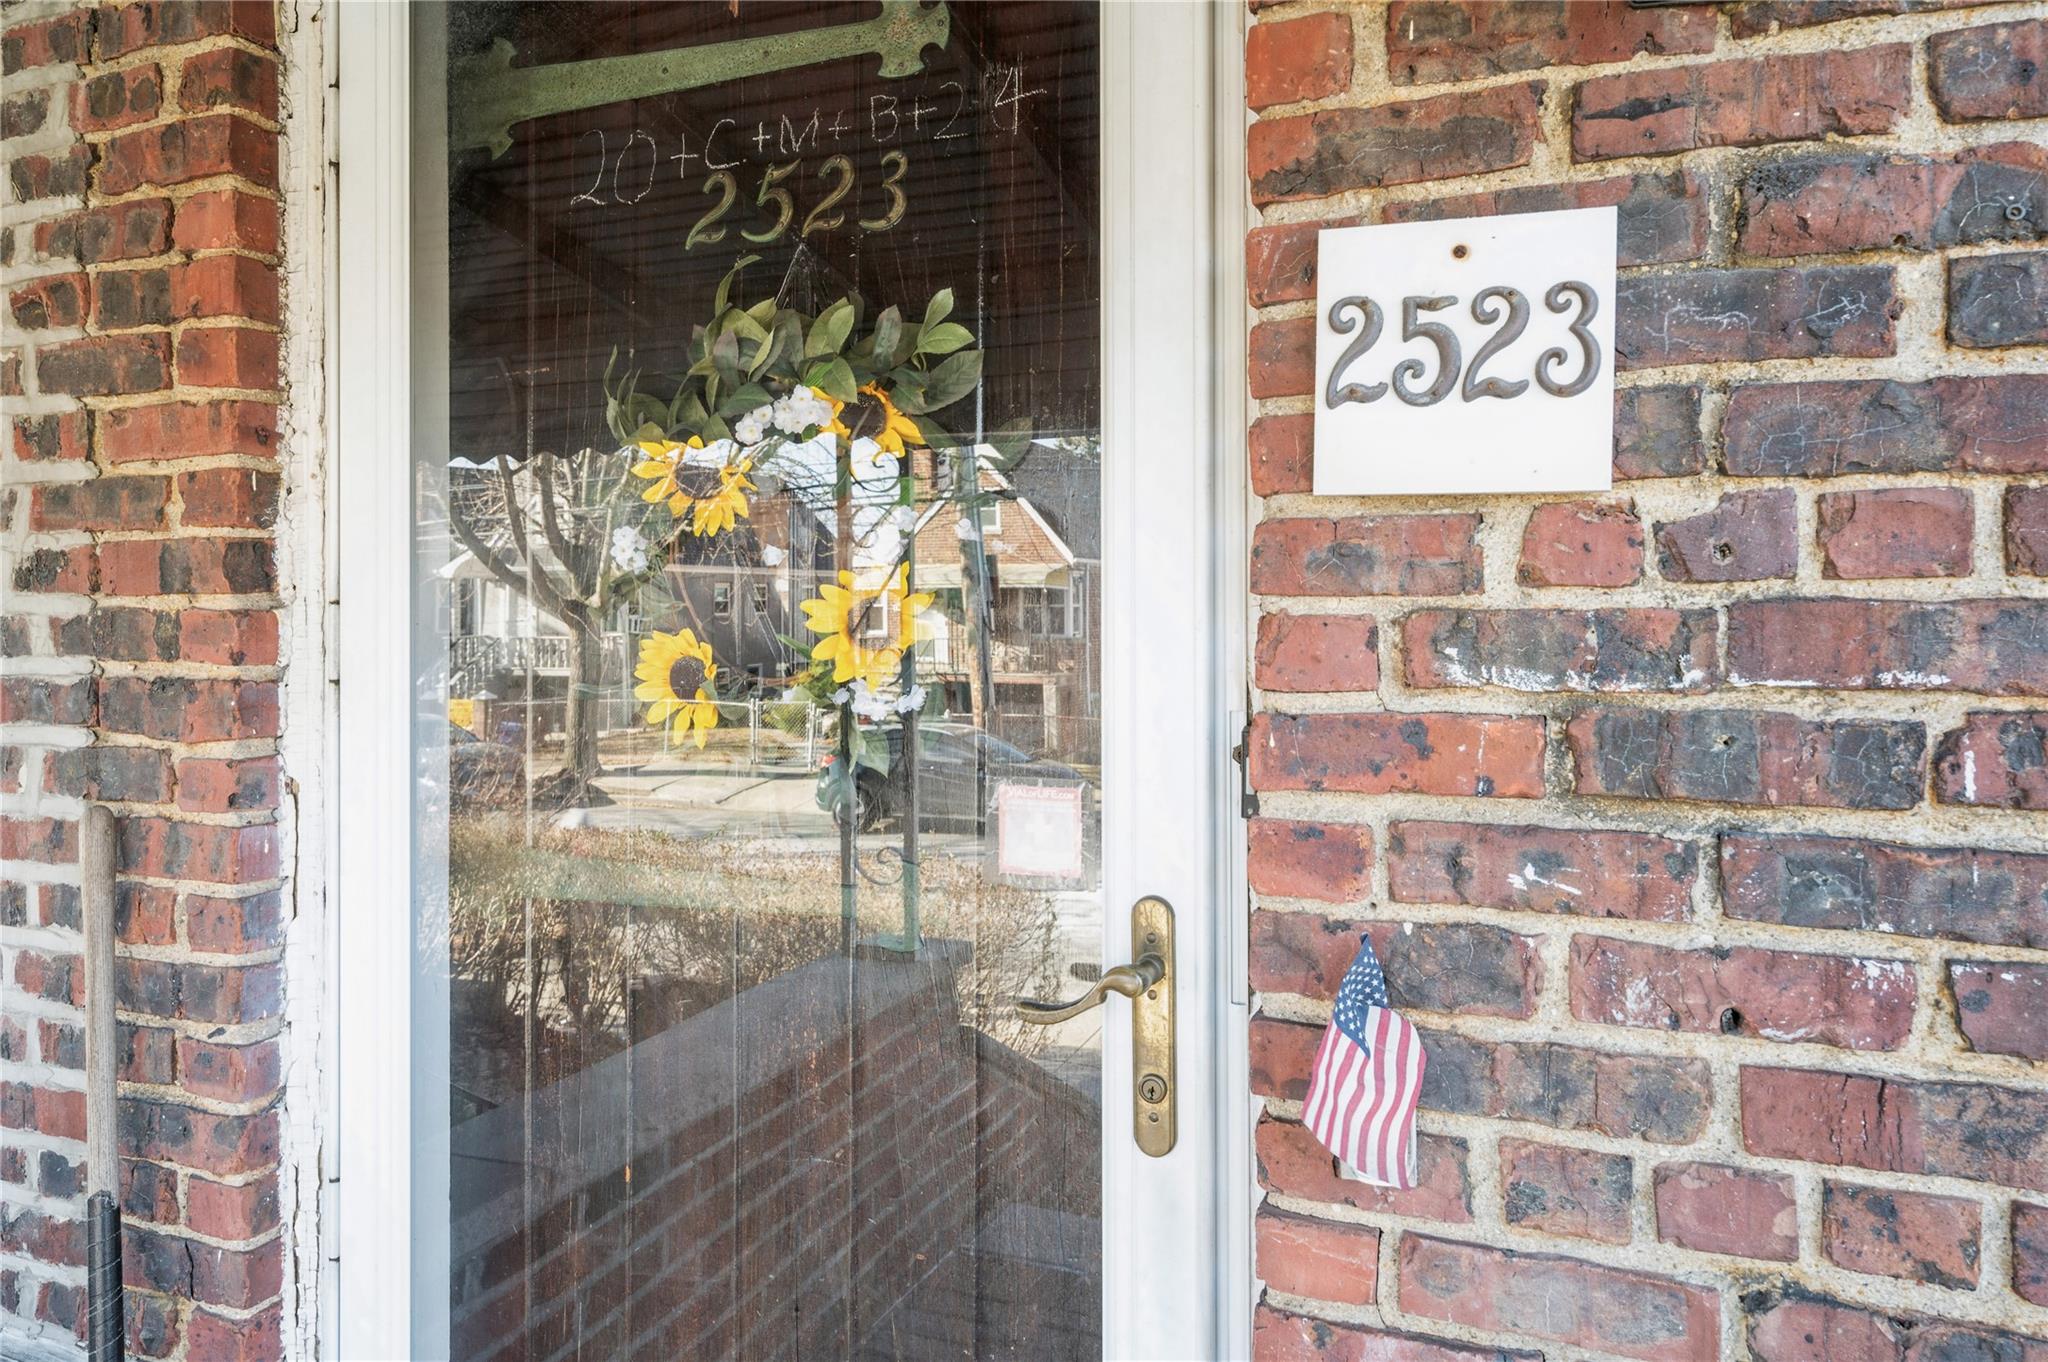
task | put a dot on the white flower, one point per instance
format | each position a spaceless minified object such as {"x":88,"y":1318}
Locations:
{"x":804,"y":409}
{"x":964,"y":527}
{"x":871,"y":463}
{"x":910,"y":701}
{"x":771,"y":556}
{"x":752,"y":428}
{"x":906,"y":518}
{"x":629,"y":549}
{"x":841,"y":696}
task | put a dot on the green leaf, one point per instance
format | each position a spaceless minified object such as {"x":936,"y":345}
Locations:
{"x":1011,"y":442}
{"x":718,"y":301}
{"x":744,"y":325}
{"x":725,"y":358}
{"x":829,"y":332}
{"x":832,"y":376}
{"x":744,"y":399}
{"x":908,"y":394}
{"x":937,"y":310}
{"x":943,"y":339}
{"x":953,"y":380}
{"x":648,"y":430}
{"x":888,"y":332}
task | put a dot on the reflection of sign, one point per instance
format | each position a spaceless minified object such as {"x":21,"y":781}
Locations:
{"x":492,"y":94}
{"x":1038,"y":831}
{"x":1474,"y":355}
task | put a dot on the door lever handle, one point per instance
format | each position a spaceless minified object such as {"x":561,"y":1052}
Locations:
{"x":1129,"y":980}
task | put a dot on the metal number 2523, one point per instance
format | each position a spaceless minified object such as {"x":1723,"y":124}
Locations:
{"x":1487,"y":309}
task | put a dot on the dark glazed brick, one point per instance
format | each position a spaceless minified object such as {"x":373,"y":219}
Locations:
{"x":1997,"y":898}
{"x":1811,"y":205}
{"x":1990,"y":72}
{"x":1998,"y":300}
{"x":1562,"y":650}
{"x":1734,"y":756}
{"x":1661,"y":217}
{"x":1444,"y":40}
{"x":1313,"y":155}
{"x":1717,"y":316}
{"x":1995,"y":423}
{"x":1747,"y":537}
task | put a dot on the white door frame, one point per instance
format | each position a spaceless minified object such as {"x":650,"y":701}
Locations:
{"x":1173,"y":502}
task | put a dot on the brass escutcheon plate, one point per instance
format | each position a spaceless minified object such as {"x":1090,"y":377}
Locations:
{"x":1155,"y":1091}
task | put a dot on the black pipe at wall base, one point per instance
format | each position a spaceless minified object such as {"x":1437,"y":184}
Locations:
{"x":105,"y":1311}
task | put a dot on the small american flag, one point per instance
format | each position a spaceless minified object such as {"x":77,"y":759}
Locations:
{"x":1368,"y":1076}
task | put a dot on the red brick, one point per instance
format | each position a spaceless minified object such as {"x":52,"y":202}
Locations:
{"x":1746,"y":537}
{"x":1894,"y":1233}
{"x":114,"y":231}
{"x":1769,"y":16}
{"x":23,"y":113}
{"x":1661,"y":217}
{"x":1282,"y":455}
{"x":185,"y":709}
{"x":1559,"y":650}
{"x":125,"y":298}
{"x":45,"y":43}
{"x":1607,"y":1309}
{"x":1959,"y":893}
{"x":2030,"y":1252}
{"x":229,"y":78}
{"x":163,"y":22}
{"x":191,"y":149}
{"x":1712,"y":316}
{"x":1468,"y":968}
{"x":1990,"y":72}
{"x":224,"y":1146}
{"x":1995,"y":423}
{"x":234,"y":925}
{"x":236,"y":1278}
{"x":162,"y":848}
{"x":1743,"y":103}
{"x":67,"y":435}
{"x":53,"y":978}
{"x":116,"y":99}
{"x":1292,"y":1163}
{"x":178,"y":430}
{"x":1635,"y":875}
{"x":225,"y":286}
{"x":33,"y":700}
{"x":1444,"y":40}
{"x":106,"y":366}
{"x":1313,"y":155}
{"x":227,"y":784}
{"x":69,"y":570}
{"x":59,"y":1241}
{"x":55,"y":300}
{"x":100,"y":504}
{"x":224,"y":219}
{"x":51,"y":1111}
{"x":64,"y":176}
{"x":241,"y":498}
{"x":1736,"y":1211}
{"x":1282,"y":1054}
{"x":1864,"y":202}
{"x":1657,"y":432}
{"x":1994,"y":647}
{"x":2001,"y":1006}
{"x":2026,"y":531}
{"x":1854,"y":1001}
{"x":122,"y":773}
{"x":1575,"y":1193}
{"x":1736,"y":756}
{"x":1451,"y":754}
{"x":1961,"y":1130}
{"x":1283,"y":357}
{"x":1390,"y":555}
{"x":1327,"y":861}
{"x":229,"y":1073}
{"x":1289,"y":60}
{"x":1281,"y":1337}
{"x":1997,"y":759}
{"x":229,"y":638}
{"x":1321,"y":1259}
{"x":151,"y":567}
{"x":228,"y":357}
{"x":1280,"y":263}
{"x":1998,"y":300}
{"x":218,"y":1338}
{"x":1318,"y":653}
{"x":145,"y":915}
{"x":1582,"y":543}
{"x":222,"y":1210}
{"x":1896,"y":532}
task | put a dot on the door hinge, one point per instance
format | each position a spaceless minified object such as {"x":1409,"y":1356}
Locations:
{"x":1247,"y":797}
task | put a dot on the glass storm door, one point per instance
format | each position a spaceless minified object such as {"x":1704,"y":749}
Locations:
{"x":802,"y":673}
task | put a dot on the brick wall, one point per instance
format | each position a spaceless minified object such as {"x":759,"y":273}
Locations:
{"x":140,"y":648}
{"x":1700,"y":824}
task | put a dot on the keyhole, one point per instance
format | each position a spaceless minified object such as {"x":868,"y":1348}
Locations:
{"x":1152,"y":1088}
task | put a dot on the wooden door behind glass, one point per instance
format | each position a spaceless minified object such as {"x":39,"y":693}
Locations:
{"x":759,"y":724}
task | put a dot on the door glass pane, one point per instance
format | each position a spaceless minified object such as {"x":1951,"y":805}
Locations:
{"x":757,"y":580}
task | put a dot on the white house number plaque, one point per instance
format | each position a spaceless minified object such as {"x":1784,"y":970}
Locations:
{"x":1474,"y":355}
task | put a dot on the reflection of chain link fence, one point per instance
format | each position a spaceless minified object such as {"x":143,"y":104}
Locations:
{"x":608,"y":935}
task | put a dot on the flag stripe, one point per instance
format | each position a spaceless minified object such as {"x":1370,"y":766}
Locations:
{"x":1366,"y":1085}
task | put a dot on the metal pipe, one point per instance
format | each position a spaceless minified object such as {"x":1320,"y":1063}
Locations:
{"x":105,"y":1308}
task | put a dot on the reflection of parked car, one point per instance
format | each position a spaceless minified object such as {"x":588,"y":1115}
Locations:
{"x":481,"y":773}
{"x":957,"y":767}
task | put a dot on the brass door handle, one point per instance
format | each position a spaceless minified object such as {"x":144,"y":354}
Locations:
{"x":1129,"y":980}
{"x":1149,"y":984}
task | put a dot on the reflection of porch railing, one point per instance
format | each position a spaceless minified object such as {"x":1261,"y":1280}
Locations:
{"x":486,"y":652}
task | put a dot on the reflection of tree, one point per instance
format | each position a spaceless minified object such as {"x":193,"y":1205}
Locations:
{"x":734,"y":915}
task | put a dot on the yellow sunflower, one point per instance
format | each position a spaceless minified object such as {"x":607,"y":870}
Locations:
{"x":896,"y":427}
{"x":676,"y":674}
{"x":663,"y":466}
{"x":728,"y":504}
{"x":844,"y":613}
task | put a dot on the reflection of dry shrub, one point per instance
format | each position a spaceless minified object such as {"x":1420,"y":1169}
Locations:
{"x":655,"y":928}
